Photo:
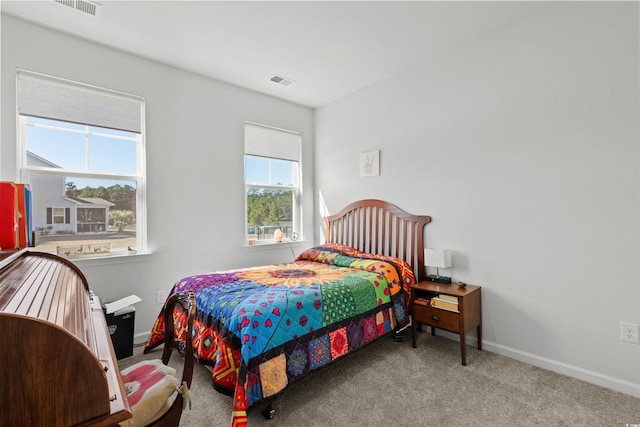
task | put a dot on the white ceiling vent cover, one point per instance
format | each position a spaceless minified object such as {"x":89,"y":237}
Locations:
{"x":89,"y":7}
{"x":284,"y":81}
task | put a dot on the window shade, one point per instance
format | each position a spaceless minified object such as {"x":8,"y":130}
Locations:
{"x":265,"y":141}
{"x":57,"y":99}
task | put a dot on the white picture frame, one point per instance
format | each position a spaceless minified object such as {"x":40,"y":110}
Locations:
{"x":370,"y":163}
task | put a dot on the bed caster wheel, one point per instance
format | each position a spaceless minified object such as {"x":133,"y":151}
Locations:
{"x":268,"y":412}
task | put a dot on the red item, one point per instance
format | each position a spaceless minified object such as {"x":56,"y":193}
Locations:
{"x":8,"y":216}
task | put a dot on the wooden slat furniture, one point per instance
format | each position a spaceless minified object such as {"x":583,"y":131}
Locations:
{"x":57,"y":362}
{"x":379,"y":227}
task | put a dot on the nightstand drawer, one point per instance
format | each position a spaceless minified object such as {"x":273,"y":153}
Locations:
{"x":436,"y":317}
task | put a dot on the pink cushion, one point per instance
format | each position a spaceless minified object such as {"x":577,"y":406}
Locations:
{"x":150,"y":386}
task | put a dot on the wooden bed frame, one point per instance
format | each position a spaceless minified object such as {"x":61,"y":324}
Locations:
{"x":376,"y":226}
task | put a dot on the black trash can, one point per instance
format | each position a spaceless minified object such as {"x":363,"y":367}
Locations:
{"x":121,"y":325}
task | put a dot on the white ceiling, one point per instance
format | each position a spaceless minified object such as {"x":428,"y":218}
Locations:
{"x":329,"y":48}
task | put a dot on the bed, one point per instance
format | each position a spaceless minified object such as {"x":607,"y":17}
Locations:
{"x":259,"y":329}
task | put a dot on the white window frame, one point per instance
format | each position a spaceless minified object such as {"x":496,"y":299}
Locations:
{"x":53,"y":215}
{"x":274,"y":151}
{"x":25,"y":171}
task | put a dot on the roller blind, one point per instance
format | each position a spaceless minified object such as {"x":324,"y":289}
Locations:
{"x":53,"y":98}
{"x":265,"y":141}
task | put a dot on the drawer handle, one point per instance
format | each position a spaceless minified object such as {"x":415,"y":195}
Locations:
{"x":436,"y":318}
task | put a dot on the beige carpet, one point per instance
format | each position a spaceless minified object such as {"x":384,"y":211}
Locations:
{"x":392,"y":384}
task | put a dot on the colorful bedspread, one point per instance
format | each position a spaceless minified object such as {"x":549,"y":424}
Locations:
{"x":263,"y":328}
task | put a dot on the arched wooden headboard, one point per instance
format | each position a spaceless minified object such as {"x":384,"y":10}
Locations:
{"x":376,"y":226}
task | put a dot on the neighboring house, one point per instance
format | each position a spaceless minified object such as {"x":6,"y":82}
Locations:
{"x":91,"y":214}
{"x":54,"y":211}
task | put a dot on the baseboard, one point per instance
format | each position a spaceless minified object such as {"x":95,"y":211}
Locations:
{"x":602,"y":380}
{"x":141,"y":338}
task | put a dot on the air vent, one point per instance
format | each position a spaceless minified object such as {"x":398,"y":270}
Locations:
{"x":89,"y":7}
{"x":282,"y":80}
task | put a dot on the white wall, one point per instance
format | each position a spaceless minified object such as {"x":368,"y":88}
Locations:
{"x":194,"y":158}
{"x":523,"y":145}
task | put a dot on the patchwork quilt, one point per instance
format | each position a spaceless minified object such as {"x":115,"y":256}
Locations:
{"x":262,"y":328}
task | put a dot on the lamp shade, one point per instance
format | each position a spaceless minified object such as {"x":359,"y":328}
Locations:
{"x":440,"y":258}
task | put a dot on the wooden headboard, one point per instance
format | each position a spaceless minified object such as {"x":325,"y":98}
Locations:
{"x":376,"y":226}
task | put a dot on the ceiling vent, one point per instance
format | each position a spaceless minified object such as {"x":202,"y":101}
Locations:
{"x":89,"y":7}
{"x":282,"y":80}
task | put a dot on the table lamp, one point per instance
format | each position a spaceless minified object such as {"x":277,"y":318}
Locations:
{"x":439,"y":258}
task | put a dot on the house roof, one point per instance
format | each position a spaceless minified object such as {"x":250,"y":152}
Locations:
{"x":33,"y":157}
{"x":96,"y":201}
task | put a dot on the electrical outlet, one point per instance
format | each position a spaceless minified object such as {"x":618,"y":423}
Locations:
{"x":161,"y":296}
{"x":629,"y":332}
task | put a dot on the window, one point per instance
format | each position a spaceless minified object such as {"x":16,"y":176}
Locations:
{"x":81,"y":151}
{"x":58,"y":215}
{"x":273,"y":184}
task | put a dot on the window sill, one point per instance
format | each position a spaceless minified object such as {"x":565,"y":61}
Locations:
{"x":114,"y":258}
{"x":270,"y":245}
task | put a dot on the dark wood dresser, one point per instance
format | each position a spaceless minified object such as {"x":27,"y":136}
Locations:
{"x":57,"y":363}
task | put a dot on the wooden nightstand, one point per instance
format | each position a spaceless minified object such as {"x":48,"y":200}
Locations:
{"x":469,"y":313}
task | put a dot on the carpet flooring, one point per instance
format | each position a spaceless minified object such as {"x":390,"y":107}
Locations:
{"x":390,"y":383}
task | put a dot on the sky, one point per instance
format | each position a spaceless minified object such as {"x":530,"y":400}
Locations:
{"x":261,"y":170}
{"x":101,"y":150}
